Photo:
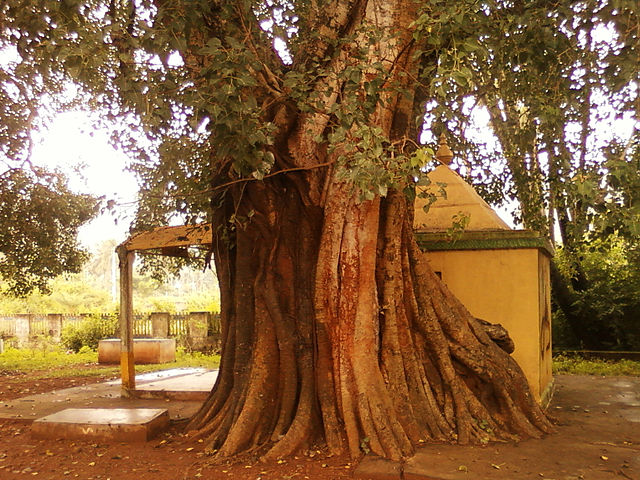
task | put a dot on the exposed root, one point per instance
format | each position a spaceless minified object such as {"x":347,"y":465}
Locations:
{"x":374,"y":355}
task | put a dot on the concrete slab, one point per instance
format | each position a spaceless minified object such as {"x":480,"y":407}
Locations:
{"x":192,"y":386}
{"x":109,"y":424}
{"x":175,"y":384}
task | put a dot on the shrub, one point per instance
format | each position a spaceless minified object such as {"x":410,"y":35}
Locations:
{"x":88,"y":332}
{"x":611,"y":301}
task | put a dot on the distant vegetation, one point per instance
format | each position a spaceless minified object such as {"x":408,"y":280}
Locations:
{"x":609,"y":302}
{"x":51,"y":361}
{"x":92,"y":290}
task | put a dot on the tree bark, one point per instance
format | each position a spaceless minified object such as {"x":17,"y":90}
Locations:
{"x":336,"y":330}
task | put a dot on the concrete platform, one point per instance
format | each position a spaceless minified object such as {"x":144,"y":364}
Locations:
{"x":176,"y":384}
{"x":145,"y":350}
{"x":109,"y":424}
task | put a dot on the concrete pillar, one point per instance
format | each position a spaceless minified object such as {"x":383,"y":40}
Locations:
{"x":197,"y":329}
{"x":55,"y":325}
{"x":127,"y":363}
{"x":23,"y":326}
{"x":160,"y":324}
{"x":1,"y":345}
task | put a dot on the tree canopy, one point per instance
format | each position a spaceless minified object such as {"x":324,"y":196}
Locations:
{"x":39,"y":214}
{"x":195,"y":80}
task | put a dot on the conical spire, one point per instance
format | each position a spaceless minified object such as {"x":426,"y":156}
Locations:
{"x":444,"y":154}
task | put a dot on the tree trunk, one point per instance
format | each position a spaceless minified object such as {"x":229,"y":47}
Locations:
{"x":335,"y":329}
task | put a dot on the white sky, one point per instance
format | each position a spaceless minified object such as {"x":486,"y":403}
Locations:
{"x":70,"y":142}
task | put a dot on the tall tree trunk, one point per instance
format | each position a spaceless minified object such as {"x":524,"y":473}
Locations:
{"x":334,"y":327}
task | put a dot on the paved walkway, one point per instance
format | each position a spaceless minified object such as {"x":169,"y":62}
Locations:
{"x":186,"y":386}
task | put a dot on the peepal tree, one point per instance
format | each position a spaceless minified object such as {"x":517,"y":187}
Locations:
{"x":293,"y":127}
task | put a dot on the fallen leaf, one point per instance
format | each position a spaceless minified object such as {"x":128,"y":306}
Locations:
{"x":604,"y":457}
{"x":463,"y":468}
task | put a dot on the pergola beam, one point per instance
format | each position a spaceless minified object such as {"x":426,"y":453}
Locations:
{"x":179,"y":236}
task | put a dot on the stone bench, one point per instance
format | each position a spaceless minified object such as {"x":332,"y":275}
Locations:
{"x":145,"y":350}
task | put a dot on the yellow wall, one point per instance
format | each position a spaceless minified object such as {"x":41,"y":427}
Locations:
{"x":504,"y":286}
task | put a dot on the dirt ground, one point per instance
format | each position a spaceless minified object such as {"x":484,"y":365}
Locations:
{"x":15,"y":385}
{"x":598,"y":438}
{"x":171,"y":456}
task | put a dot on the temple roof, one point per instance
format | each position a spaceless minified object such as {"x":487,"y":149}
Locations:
{"x":460,"y":198}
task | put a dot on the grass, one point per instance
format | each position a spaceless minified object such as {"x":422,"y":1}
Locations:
{"x":51,"y":361}
{"x":575,"y":365}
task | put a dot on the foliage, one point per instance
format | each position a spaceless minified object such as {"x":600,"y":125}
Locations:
{"x":39,"y":221}
{"x":612,"y":298}
{"x":575,"y":365}
{"x":544,"y":74}
{"x":88,"y":332}
{"x":71,"y":293}
{"x":554,"y":86}
{"x":39,"y":215}
{"x":90,"y":290}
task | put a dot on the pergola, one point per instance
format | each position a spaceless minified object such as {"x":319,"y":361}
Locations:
{"x":169,"y":241}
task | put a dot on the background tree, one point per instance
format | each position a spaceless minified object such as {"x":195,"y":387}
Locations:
{"x":556,"y":116}
{"x":39,"y":221}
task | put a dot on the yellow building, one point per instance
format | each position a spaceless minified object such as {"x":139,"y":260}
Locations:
{"x":501,"y":275}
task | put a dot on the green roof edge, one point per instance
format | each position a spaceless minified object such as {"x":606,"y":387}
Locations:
{"x":484,"y":240}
